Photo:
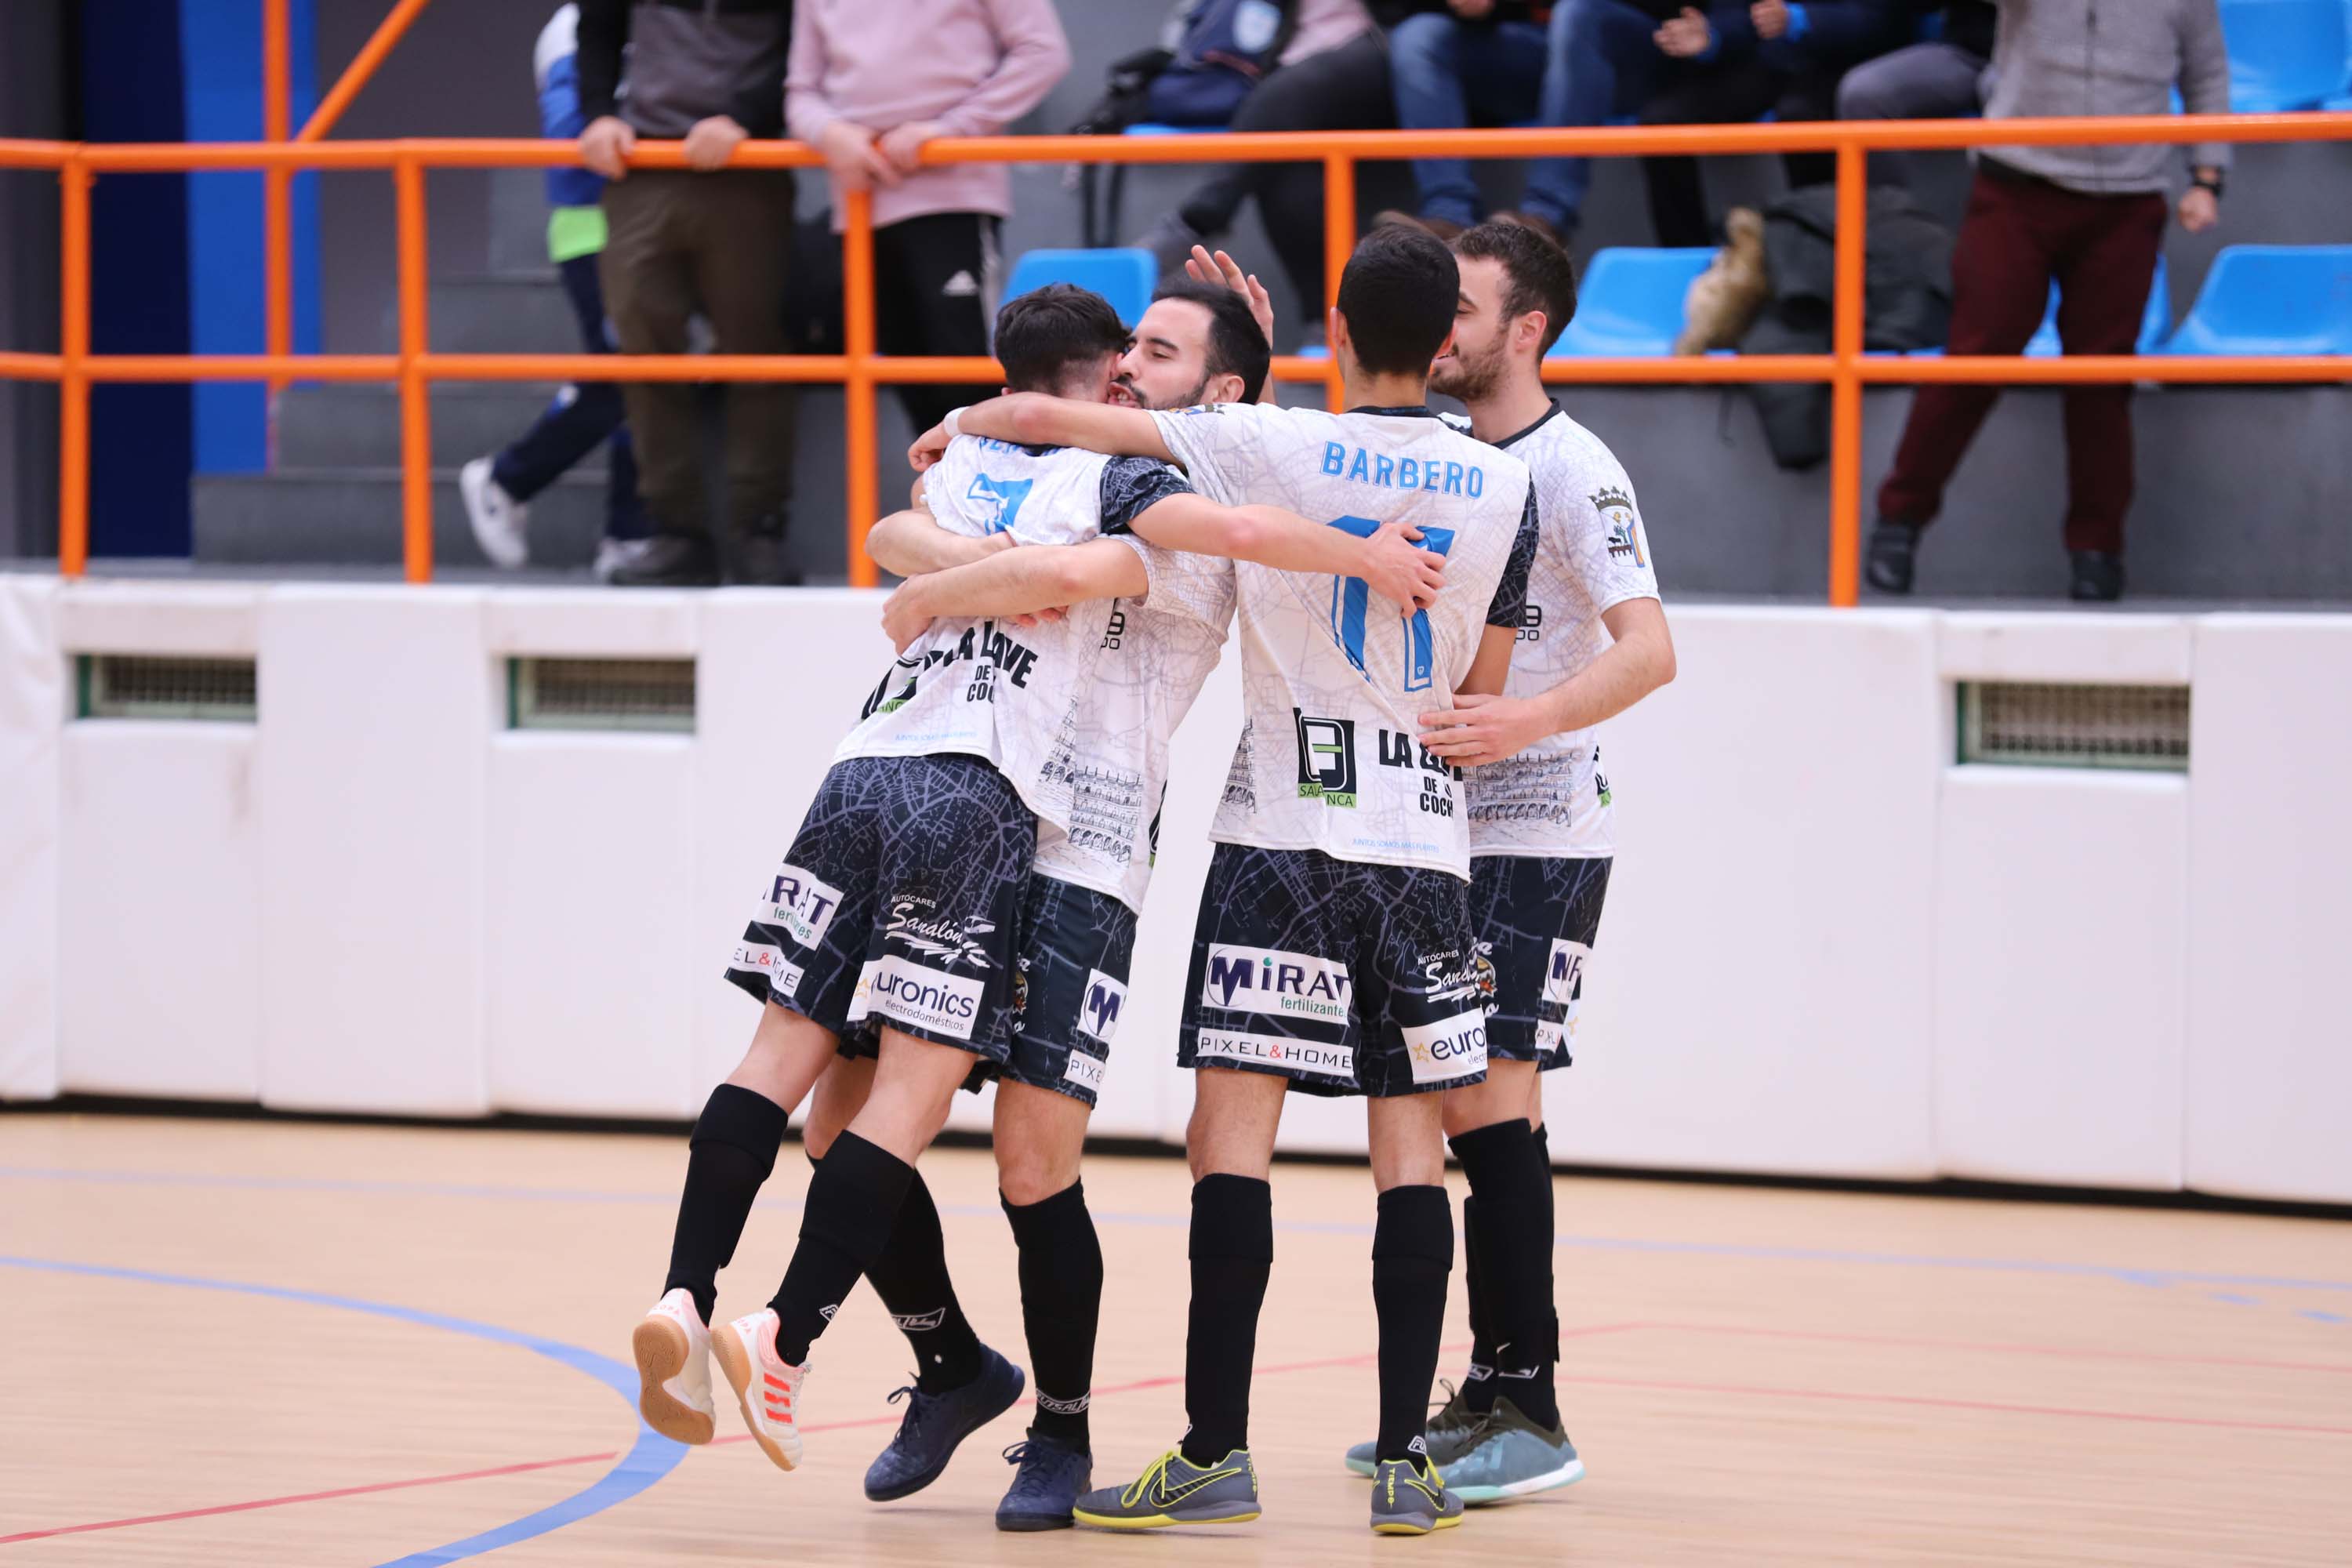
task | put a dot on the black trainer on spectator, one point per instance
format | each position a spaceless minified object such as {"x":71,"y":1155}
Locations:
{"x":2097,"y":576}
{"x":1893,"y":552}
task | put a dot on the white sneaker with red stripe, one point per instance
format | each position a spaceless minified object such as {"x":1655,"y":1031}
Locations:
{"x":673,"y":1351}
{"x":766,"y":1386}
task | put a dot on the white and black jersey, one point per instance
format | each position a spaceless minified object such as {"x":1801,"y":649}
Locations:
{"x":985,"y":688}
{"x":1335,"y":680}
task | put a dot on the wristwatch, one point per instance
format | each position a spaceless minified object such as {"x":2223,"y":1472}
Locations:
{"x":2210,"y":181}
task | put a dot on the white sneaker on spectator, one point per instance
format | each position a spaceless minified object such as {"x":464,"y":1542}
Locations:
{"x":499,"y":520}
{"x":611,"y":554}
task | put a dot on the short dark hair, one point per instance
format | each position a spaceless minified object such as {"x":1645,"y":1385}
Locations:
{"x":1041,"y":334}
{"x":1537,"y":273}
{"x":1399,"y":294}
{"x":1236,"y":346}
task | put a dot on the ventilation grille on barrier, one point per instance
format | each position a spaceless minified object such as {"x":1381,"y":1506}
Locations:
{"x":145,"y":686}
{"x":602,"y":694}
{"x":2075,"y":726}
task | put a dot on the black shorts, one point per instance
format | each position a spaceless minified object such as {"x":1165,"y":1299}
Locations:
{"x":1070,"y":989}
{"x":1343,"y":977}
{"x":1538,"y":919}
{"x":899,"y":903}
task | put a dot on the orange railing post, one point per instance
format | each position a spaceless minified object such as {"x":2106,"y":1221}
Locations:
{"x":1338,"y":240}
{"x":415,"y":392}
{"x":857,"y":387}
{"x":277,"y":194}
{"x":73,"y":368}
{"x":1845,"y":384}
{"x":355,"y":75}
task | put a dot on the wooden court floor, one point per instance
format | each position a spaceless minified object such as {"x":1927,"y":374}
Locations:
{"x":233,"y":1342}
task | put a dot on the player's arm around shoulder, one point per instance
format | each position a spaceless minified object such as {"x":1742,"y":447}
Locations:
{"x":1023,"y":581}
{"x":1386,"y":560}
{"x":1037,"y":419}
{"x":906,"y":542}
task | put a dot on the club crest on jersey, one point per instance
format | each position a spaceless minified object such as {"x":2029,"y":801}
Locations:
{"x":1326,"y":759}
{"x":916,"y":928}
{"x":1616,"y":509}
{"x":998,"y":501}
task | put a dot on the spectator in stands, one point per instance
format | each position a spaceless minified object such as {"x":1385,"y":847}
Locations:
{"x":1937,"y":78}
{"x":705,"y":239}
{"x":1332,"y":75}
{"x":1669,"y":62}
{"x":498,"y":489}
{"x":2090,"y":219}
{"x":871,"y":81}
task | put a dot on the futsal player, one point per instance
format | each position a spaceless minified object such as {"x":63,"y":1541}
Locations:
{"x":1334,"y":951}
{"x":1593,"y":643}
{"x":1194,"y":346}
{"x":897,"y":906}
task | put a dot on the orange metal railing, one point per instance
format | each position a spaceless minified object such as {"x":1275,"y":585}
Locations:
{"x":861,"y":372}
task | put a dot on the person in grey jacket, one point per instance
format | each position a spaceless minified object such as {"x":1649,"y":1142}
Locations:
{"x":2091,"y":218}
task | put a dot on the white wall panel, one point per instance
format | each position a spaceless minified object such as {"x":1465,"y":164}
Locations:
{"x":2065,"y":646}
{"x":592,"y":940}
{"x":377,"y":705}
{"x":160,"y":917}
{"x":218,"y":620}
{"x":32,"y":715}
{"x":1759,"y":997}
{"x":2270,"y":908}
{"x":2061,"y":995}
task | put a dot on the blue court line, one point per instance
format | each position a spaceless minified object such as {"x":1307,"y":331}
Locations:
{"x":2153,"y":1278}
{"x":650,"y":1459}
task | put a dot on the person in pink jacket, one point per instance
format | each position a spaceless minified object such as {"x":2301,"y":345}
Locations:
{"x":867,"y":83}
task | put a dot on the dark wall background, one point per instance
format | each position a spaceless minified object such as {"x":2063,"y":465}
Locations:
{"x":36,"y":99}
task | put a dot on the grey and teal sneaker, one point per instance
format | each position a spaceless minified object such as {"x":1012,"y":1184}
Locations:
{"x":1512,"y":1457}
{"x":934,"y":1422}
{"x":1409,"y":1498}
{"x":1175,"y":1491}
{"x":1449,"y":1432}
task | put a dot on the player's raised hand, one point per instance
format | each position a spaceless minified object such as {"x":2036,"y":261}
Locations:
{"x":1400,"y":571}
{"x":1480,"y":729}
{"x":905,"y":617}
{"x":1222,"y":270}
{"x":928,"y":447}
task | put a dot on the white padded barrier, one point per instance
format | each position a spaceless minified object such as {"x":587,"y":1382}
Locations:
{"x":2270,"y":908}
{"x":2061,"y":994}
{"x":32,"y":714}
{"x":377,"y":707}
{"x":1759,"y":997}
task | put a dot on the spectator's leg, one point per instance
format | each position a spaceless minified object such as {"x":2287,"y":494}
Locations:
{"x":1709,"y":95}
{"x":1925,"y":82}
{"x":2000,"y":284}
{"x":2102,"y":283}
{"x":743,"y":246}
{"x":1345,"y":88}
{"x":1426,"y":67}
{"x":1599,"y":60}
{"x":648,"y":281}
{"x":1808,"y":95}
{"x":945,"y":267}
{"x":582,"y":416}
{"x":1292,"y":98}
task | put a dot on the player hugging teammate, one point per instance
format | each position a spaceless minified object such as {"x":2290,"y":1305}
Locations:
{"x":1376,"y":921}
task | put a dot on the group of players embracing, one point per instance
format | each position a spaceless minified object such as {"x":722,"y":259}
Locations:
{"x":1412,"y":848}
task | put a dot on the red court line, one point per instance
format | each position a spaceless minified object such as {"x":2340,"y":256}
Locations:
{"x":2086,"y":1352}
{"x":1930,"y":1403}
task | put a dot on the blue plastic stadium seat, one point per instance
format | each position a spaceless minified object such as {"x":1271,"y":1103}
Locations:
{"x":1153,"y":128}
{"x":1630,"y":302}
{"x":1125,"y":278}
{"x":2285,"y":55}
{"x":2155,"y":322}
{"x":2272,"y":300}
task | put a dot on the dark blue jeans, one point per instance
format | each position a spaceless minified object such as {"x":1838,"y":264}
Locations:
{"x":1597,"y":59}
{"x":582,"y":416}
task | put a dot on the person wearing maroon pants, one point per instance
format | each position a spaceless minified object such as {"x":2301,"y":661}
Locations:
{"x":2090,"y":219}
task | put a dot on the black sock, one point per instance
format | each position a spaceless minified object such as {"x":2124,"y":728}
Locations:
{"x":1232,"y":1253}
{"x":1061,"y":1302}
{"x":853,"y":1202}
{"x":733,"y":1151}
{"x":1551,"y":1240}
{"x":910,"y":1275}
{"x":1507,"y":1172}
{"x":1478,"y":1385}
{"x":1412,"y":1254}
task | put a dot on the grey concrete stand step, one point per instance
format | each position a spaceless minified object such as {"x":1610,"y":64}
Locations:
{"x":353,"y":516}
{"x":345,"y":425}
{"x":521,"y":313}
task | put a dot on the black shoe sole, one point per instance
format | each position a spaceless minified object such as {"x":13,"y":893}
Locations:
{"x":1028,"y":1524}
